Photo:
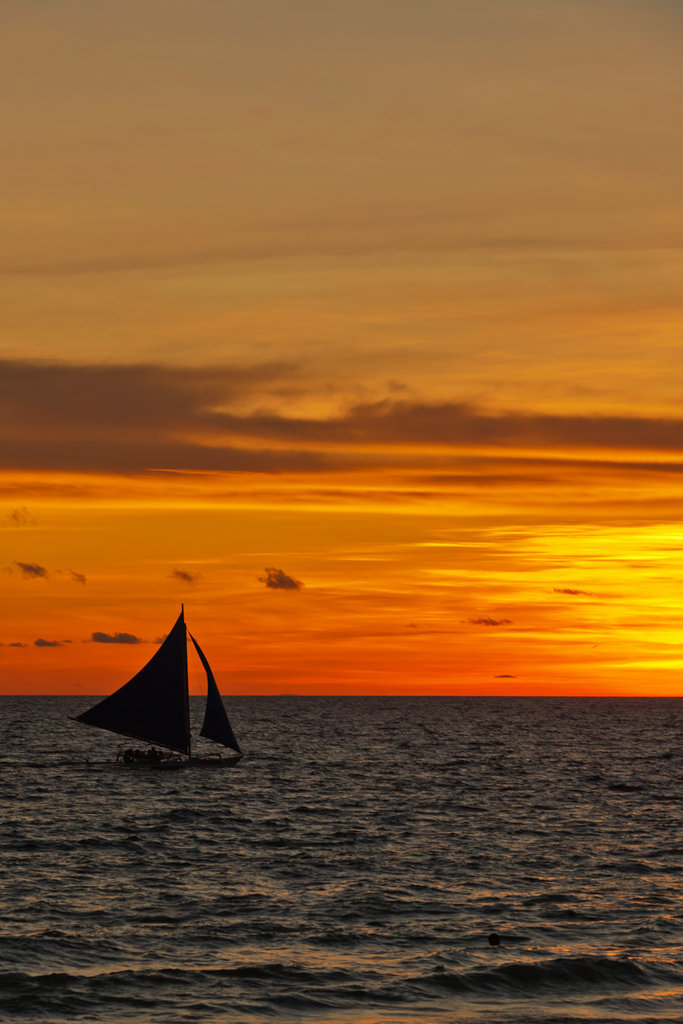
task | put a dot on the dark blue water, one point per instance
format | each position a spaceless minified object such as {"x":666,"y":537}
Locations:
{"x":350,"y":868}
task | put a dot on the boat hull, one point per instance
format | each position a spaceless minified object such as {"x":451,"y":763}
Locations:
{"x":176,"y":764}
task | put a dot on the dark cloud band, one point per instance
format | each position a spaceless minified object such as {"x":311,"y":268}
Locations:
{"x":135,"y":420}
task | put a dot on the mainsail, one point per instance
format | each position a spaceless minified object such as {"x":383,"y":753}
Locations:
{"x":154,"y":705}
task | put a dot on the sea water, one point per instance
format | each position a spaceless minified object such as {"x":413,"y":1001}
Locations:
{"x":351,"y":868}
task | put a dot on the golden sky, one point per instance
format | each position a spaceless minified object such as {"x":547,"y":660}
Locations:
{"x":356,"y":327}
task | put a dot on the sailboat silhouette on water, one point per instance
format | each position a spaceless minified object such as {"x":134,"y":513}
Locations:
{"x":154,"y":706}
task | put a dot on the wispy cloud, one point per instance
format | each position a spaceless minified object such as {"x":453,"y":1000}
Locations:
{"x":489,"y":622}
{"x":115,"y":638}
{"x":18,"y":517}
{"x":32,"y":571}
{"x":47,"y":643}
{"x":185,"y":577}
{"x":573,"y":593}
{"x":276,"y":579}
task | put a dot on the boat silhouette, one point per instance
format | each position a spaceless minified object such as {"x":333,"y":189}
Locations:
{"x":154,"y":706}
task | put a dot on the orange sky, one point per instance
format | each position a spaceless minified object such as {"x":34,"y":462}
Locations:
{"x":385,"y":296}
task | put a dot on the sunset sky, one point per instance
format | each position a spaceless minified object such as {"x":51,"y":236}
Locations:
{"x":356,"y":327}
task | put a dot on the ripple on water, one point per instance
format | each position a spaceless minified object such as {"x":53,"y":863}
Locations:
{"x":340,"y":877}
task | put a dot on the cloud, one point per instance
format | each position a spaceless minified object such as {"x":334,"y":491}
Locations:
{"x":17,"y":643}
{"x":58,"y":416}
{"x":184,"y":576}
{"x":19,"y":517}
{"x":461,"y":423}
{"x":32,"y":571}
{"x":47,"y":643}
{"x":505,"y":675}
{"x":65,"y":417}
{"x":115,"y":638}
{"x":489,"y":622}
{"x":572,"y":592}
{"x":276,"y":579}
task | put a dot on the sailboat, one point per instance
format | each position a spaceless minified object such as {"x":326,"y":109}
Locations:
{"x":154,"y":707}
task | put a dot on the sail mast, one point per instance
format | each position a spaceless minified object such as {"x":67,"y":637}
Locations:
{"x":187,"y":683}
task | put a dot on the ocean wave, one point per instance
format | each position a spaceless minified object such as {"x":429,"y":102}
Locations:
{"x":304,"y":889}
{"x":560,"y":974}
{"x":305,"y":985}
{"x":77,"y":993}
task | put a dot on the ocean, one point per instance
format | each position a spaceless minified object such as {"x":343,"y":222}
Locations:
{"x":351,"y":868}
